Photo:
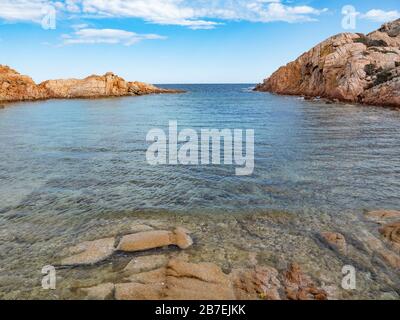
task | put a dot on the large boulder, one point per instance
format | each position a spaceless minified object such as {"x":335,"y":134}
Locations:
{"x":202,"y":281}
{"x":379,"y":249}
{"x":91,"y":87}
{"x":155,"y":239}
{"x":182,"y":280}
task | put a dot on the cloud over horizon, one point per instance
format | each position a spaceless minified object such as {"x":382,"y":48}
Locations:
{"x":378,"y":15}
{"x":107,"y":36}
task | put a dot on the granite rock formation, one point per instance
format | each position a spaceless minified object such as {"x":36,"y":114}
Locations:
{"x":17,"y":87}
{"x":348,"y":67}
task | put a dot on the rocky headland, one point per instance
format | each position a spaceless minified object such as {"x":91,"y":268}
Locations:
{"x":348,"y":67}
{"x":17,"y":87}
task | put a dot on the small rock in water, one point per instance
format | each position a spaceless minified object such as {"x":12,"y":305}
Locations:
{"x":182,"y":238}
{"x":391,"y":232}
{"x":100,"y":292}
{"x":90,"y":252}
{"x":335,"y":240}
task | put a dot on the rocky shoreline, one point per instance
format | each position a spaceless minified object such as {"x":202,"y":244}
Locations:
{"x":155,"y":270}
{"x":16,"y":87}
{"x":348,"y":67}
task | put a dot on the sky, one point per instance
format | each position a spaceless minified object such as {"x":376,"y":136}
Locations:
{"x":174,"y":41}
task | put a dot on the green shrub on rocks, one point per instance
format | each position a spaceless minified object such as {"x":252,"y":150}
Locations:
{"x":370,"y":69}
{"x":370,"y":42}
{"x":383,"y":77}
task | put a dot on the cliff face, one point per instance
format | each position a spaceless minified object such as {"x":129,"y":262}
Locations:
{"x":348,"y":67}
{"x":16,"y":87}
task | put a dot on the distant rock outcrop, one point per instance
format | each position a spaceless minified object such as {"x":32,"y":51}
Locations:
{"x":17,"y":87}
{"x":347,"y":67}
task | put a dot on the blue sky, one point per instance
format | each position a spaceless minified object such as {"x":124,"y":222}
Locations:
{"x":172,"y":41}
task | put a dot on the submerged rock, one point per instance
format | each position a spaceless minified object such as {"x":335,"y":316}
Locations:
{"x":138,"y":291}
{"x":202,"y":281}
{"x":182,"y":238}
{"x":153,"y":276}
{"x":382,"y":216}
{"x":179,"y":280}
{"x":100,"y":292}
{"x":155,"y":239}
{"x":377,"y":247}
{"x":335,"y":240}
{"x":299,"y":286}
{"x":146,"y":263}
{"x":182,"y":280}
{"x":90,"y":252}
{"x":140,"y":227}
{"x":256,"y":283}
{"x":391,"y":232}
{"x":348,"y":67}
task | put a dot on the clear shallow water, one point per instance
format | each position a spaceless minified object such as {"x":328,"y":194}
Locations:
{"x":74,"y":170}
{"x":88,"y":156}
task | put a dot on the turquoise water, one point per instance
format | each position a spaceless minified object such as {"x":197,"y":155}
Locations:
{"x":76,"y":170}
{"x":78,"y":157}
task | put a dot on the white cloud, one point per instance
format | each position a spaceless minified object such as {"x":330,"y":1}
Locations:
{"x":107,"y":36}
{"x":276,"y":11}
{"x":22,"y":10}
{"x":79,"y":26}
{"x":72,"y":5}
{"x":378,"y":15}
{"x":194,"y":14}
